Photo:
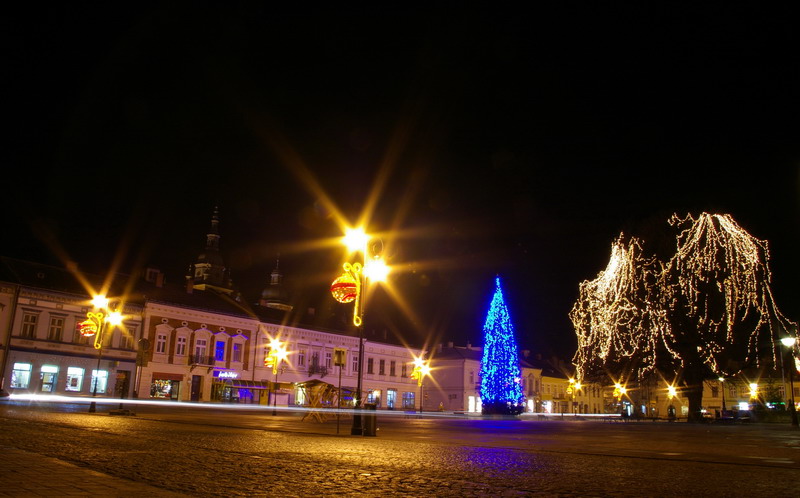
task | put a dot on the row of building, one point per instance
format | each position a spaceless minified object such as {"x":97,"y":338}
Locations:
{"x":202,"y":342}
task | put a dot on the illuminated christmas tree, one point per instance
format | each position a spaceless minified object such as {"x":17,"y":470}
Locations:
{"x":706,"y":312}
{"x":501,"y":390}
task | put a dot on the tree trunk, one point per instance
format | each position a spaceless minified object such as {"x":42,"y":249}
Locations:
{"x":693,"y":390}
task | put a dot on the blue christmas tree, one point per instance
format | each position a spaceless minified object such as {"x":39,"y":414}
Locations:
{"x":501,"y":388}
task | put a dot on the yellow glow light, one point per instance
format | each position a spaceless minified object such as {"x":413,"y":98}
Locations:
{"x":753,"y":390}
{"x":100,"y":302}
{"x":376,"y":270}
{"x":355,"y":239}
{"x":671,"y":392}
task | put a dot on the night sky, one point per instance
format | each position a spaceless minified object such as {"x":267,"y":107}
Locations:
{"x":494,"y":141}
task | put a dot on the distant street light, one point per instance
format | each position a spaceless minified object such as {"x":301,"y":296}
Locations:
{"x":277,"y":354}
{"x":789,"y":342}
{"x":96,"y":325}
{"x":722,"y":386}
{"x":421,"y":369}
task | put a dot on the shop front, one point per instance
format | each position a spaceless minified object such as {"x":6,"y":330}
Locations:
{"x":166,"y":385}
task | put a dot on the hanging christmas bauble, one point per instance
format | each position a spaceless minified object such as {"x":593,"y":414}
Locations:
{"x":344,"y":288}
{"x":88,"y":328}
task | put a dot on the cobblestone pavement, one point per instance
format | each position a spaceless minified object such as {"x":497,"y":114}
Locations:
{"x":213,"y":453}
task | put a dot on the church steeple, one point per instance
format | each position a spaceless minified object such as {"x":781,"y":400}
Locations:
{"x":274,"y":295}
{"x":209,"y":270}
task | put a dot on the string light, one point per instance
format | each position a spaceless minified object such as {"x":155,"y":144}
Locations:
{"x":716,"y":286}
{"x":501,"y":388}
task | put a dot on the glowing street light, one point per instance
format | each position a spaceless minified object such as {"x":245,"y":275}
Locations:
{"x":789,"y":342}
{"x":421,"y":369}
{"x":722,"y":386}
{"x":574,"y":386}
{"x":95,"y":325}
{"x":350,"y":287}
{"x":277,"y":354}
{"x":671,"y":392}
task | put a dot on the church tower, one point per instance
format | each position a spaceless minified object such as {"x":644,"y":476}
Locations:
{"x":209,"y":271}
{"x":274,"y":295}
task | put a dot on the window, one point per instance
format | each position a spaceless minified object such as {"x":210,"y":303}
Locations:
{"x":391,"y":398}
{"x":77,"y":337}
{"x":392,"y":369}
{"x":29,"y":321}
{"x":382,"y":367}
{"x":404,"y":371}
{"x":99,"y":381}
{"x":200,"y":348}
{"x":408,"y":401}
{"x":180,"y":346}
{"x":355,"y":362}
{"x":219,"y":351}
{"x":74,"y":379}
{"x":328,"y":359}
{"x":237,"y":352}
{"x":714,"y":392}
{"x":370,"y":365}
{"x":49,"y":377}
{"x":21,"y":376}
{"x":56,"y":328}
{"x":161,"y":343}
{"x":126,"y":338}
{"x":301,"y":358}
{"x":471,"y":377}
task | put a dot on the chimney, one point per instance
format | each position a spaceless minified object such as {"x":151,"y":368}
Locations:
{"x":189,"y":285}
{"x":469,"y":345}
{"x":160,"y":280}
{"x":526,"y":352}
{"x":440,"y":347}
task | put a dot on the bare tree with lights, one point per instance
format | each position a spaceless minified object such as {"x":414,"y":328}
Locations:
{"x":706,"y":312}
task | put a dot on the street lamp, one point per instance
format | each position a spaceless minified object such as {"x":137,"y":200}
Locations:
{"x":421,"y":369}
{"x":350,"y":287}
{"x":573,"y":387}
{"x":277,"y":354}
{"x":789,"y":342}
{"x":95,"y":325}
{"x":722,"y":386}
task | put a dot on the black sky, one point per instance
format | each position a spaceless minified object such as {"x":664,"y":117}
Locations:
{"x":518,"y":142}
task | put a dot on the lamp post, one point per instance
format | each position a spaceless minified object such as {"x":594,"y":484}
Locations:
{"x":722,"y":386}
{"x":789,"y":342}
{"x":277,"y":354}
{"x":351,"y":286}
{"x":95,"y":325}
{"x":421,"y":369}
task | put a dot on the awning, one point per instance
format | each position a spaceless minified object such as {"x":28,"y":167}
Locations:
{"x":167,"y":376}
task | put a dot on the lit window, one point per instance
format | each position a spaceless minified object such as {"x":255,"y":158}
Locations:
{"x":219,"y":351}
{"x":21,"y":376}
{"x":99,"y":381}
{"x":74,"y":379}
{"x":301,"y":358}
{"x":328,"y":359}
{"x":355,"y":362}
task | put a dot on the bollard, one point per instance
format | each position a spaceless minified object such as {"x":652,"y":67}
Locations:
{"x":370,"y":419}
